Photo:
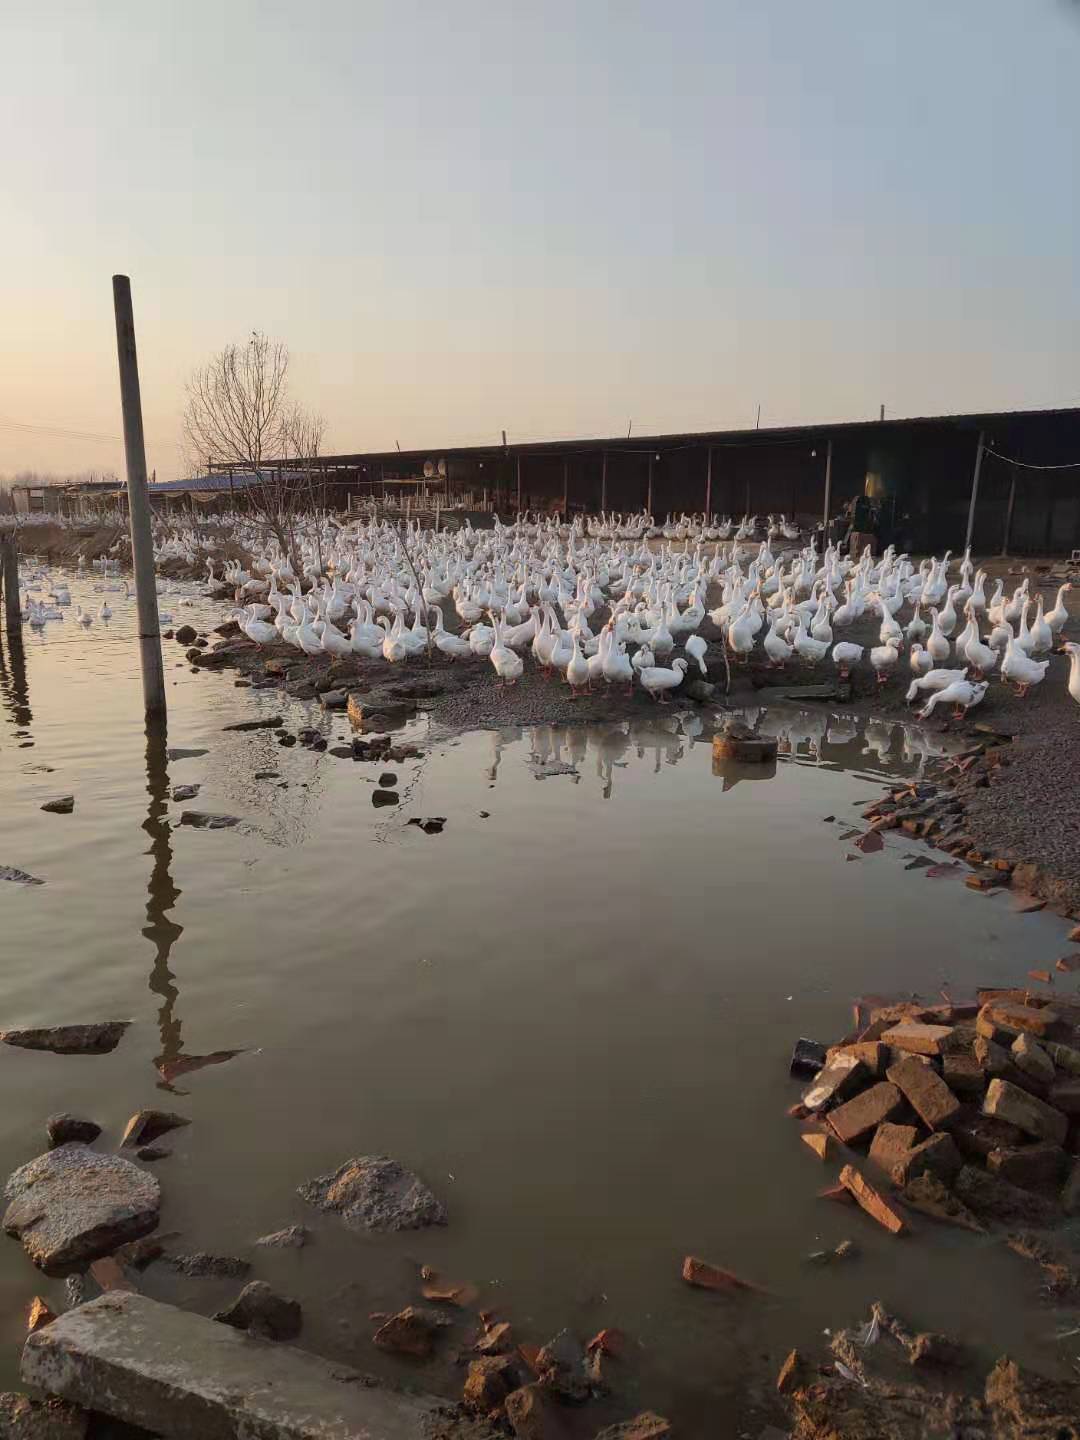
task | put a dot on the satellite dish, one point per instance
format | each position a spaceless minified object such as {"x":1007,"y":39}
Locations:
{"x":442,"y":467}
{"x":429,"y":469}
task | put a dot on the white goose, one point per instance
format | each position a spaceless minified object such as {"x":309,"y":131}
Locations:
{"x":658,"y":681}
{"x":937,"y":643}
{"x":1073,"y":651}
{"x":696,"y":648}
{"x":961,"y":695}
{"x":1020,"y":669}
{"x":933,"y":680}
{"x":883,"y":658}
{"x":845,"y":655}
{"x":1058,"y":617}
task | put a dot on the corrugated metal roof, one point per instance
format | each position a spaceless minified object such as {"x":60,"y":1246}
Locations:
{"x":210,"y":482}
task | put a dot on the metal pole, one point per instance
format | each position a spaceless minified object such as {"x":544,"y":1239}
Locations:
{"x":828,"y":484}
{"x":565,"y":487}
{"x":974,"y":492}
{"x":1009,"y":514}
{"x":648,"y":497}
{"x":142,"y":543}
{"x":603,"y":485}
{"x":708,"y":487}
{"x":9,"y":566}
{"x":519,"y":483}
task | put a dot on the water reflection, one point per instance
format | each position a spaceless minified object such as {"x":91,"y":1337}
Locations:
{"x":162,"y":893}
{"x":15,"y":688}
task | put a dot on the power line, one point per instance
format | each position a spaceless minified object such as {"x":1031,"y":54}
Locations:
{"x":1026,"y":465}
{"x":56,"y":432}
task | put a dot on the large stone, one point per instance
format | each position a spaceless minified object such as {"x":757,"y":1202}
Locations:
{"x":268,"y":722}
{"x":871,"y":1201}
{"x":963,"y":1074}
{"x":488,"y":1382}
{"x":206,"y":820}
{"x":1030,"y":1056}
{"x":855,"y":1119}
{"x":526,"y":1411}
{"x":992,"y":1057}
{"x":919,"y":1039}
{"x":936,"y":1156}
{"x":186,"y":1377}
{"x":95,"y":1039}
{"x":1015,"y":1019}
{"x":260,"y":1312}
{"x":977,"y":1134}
{"x":411,"y":1331}
{"x":925,"y":1091}
{"x":560,"y":1366}
{"x":374,"y":1192}
{"x":295,"y":1237}
{"x":1027,"y":1112}
{"x":24,"y":1419}
{"x":72,"y":1205}
{"x":890,"y":1144}
{"x":930,"y":1196}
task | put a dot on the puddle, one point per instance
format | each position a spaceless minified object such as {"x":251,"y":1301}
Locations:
{"x":570,"y":1009}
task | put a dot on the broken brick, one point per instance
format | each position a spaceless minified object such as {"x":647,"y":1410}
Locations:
{"x":839,"y":1079}
{"x":818,"y":1142}
{"x":919,"y":1039}
{"x":890,"y":1144}
{"x":963,"y":1074}
{"x":711,"y":1277}
{"x":936,"y":1156}
{"x":1008,"y":1102}
{"x":788,"y":1378}
{"x":928,"y":1195}
{"x":1014,"y":1018}
{"x":1029,"y":1166}
{"x":871,"y":1201}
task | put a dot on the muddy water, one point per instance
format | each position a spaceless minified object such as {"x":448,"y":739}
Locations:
{"x":571,"y":1011}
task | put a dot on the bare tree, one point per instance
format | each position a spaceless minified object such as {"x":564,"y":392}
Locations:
{"x":240,"y":413}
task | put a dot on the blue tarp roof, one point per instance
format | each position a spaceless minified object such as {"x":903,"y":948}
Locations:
{"x":210,"y":482}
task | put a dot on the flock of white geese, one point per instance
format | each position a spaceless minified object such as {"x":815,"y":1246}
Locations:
{"x":538,"y":586}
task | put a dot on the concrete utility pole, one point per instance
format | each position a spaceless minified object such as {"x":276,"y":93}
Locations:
{"x":9,"y":573}
{"x":142,"y":544}
{"x":828,"y":483}
{"x":974,"y":491}
{"x":708,"y":487}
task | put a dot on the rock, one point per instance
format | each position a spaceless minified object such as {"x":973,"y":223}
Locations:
{"x":936,"y":1156}
{"x":202,"y":1266}
{"x":67,"y":1129}
{"x":186,"y":754}
{"x":525,"y":1412}
{"x":171,"y":1070}
{"x":1029,"y":1055}
{"x":39,"y":1315}
{"x":268,"y":722}
{"x":994,"y":1199}
{"x":807,"y":1058}
{"x":62,"y":806}
{"x":267,"y":774}
{"x":179,"y":1374}
{"x":149,"y":1153}
{"x":919,"y":1039}
{"x":488,"y":1383}
{"x":24,"y":1419}
{"x":185,"y":792}
{"x":840,"y":1078}
{"x":18,"y":877}
{"x":375,"y":1192}
{"x":341,"y":752}
{"x":561,"y":1369}
{"x":287,"y":740}
{"x":871,"y":1053}
{"x":891,"y":1143}
{"x":334,"y":699}
{"x":1065,"y":1096}
{"x":1065,"y":1057}
{"x":204,"y":820}
{"x":495,"y":1339}
{"x":295,"y":1237}
{"x":71,"y":1205}
{"x":1029,"y":1407}
{"x":1027,"y":1112}
{"x":790,"y":1373}
{"x":146,"y":1126}
{"x":388,"y":779}
{"x":855,"y":1119}
{"x":1029,"y":1166}
{"x":186,"y":635}
{"x":991,"y":1056}
{"x":925,"y":1091}
{"x":963,"y":1074}
{"x":700,"y":690}
{"x":818,"y":1142}
{"x":871,"y":1201}
{"x":928,"y":1195}
{"x":410,"y":1332}
{"x":433,"y":825}
{"x":96,"y":1039}
{"x":259,"y":1311}
{"x":646,"y":1426}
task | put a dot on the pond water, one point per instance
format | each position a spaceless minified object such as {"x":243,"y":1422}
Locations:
{"x":571,"y":1011}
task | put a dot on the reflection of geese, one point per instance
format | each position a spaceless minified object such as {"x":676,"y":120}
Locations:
{"x":879,"y":738}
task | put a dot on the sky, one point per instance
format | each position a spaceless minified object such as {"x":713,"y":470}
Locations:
{"x":556,"y":219}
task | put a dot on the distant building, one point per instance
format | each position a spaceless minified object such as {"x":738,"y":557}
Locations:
{"x":80,"y":497}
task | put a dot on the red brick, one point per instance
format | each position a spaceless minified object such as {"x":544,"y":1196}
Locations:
{"x":1029,"y":1166}
{"x":964,"y":1074}
{"x":1014,"y":1018}
{"x":977,"y":1134}
{"x":1065,"y":1096}
{"x":836,"y":1082}
{"x":926,"y":1092}
{"x":818,"y":1142}
{"x":855,"y":1120}
{"x":1032,"y":1115}
{"x":871,"y":1201}
{"x":890,"y":1144}
{"x":936,"y":1156}
{"x":872,"y":1055}
{"x":918,"y":1039}
{"x":711,"y":1277}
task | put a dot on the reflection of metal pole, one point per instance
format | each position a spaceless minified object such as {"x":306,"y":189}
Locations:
{"x":161,"y":891}
{"x":142,"y":541}
{"x":974,"y":492}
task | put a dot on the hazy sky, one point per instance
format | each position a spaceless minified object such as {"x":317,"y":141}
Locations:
{"x":548,"y":217}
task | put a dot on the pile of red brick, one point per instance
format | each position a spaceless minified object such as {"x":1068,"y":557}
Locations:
{"x":968,"y":1113}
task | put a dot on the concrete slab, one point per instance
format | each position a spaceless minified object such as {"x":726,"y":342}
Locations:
{"x":188,"y":1378}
